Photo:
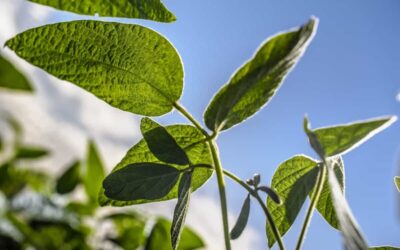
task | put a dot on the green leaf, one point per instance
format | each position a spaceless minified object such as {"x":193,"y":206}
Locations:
{"x":131,"y":67}
{"x":162,"y":144}
{"x":242,"y":220}
{"x":11,"y":78}
{"x":181,"y":208}
{"x":160,"y":238}
{"x":384,"y":248}
{"x":144,"y":9}
{"x":341,"y":139}
{"x":69,"y":179}
{"x":190,"y":139}
{"x":93,"y":173}
{"x":397,"y":182}
{"x":30,"y":152}
{"x":81,"y":209}
{"x":292,"y":181}
{"x":353,"y":238}
{"x":325,"y":204}
{"x":130,"y":229}
{"x":255,"y":83}
{"x":137,"y":181}
{"x":271,"y":193}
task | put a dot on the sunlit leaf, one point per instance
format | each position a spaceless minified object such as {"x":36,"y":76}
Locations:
{"x":93,"y":172}
{"x":11,"y":78}
{"x":255,"y":83}
{"x":354,"y":240}
{"x":181,"y":208}
{"x":293,"y":181}
{"x":137,"y":181}
{"x":397,"y":182}
{"x":162,"y":144}
{"x":242,"y":220}
{"x":144,"y":9}
{"x":160,"y":238}
{"x":128,"y":66}
{"x":69,"y":179}
{"x":325,"y":205}
{"x":343,"y":138}
{"x":190,"y":139}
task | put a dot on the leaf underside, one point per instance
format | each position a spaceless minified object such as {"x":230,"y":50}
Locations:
{"x":144,"y":9}
{"x":188,"y":138}
{"x":131,"y":67}
{"x":254,"y":84}
{"x":397,"y":182}
{"x":293,"y":181}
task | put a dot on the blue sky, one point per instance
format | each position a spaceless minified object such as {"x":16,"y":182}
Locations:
{"x":350,"y":72}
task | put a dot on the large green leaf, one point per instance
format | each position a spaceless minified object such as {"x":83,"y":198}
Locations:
{"x":181,"y":208}
{"x":343,"y":138}
{"x":162,"y":144}
{"x":253,"y":85}
{"x":128,"y":66}
{"x":69,"y":179}
{"x":11,"y":78}
{"x":353,"y":238}
{"x":160,"y":238}
{"x":150,"y":181}
{"x":93,"y":172}
{"x":144,"y":9}
{"x":188,"y":138}
{"x":325,"y":204}
{"x":293,"y":181}
{"x":397,"y":182}
{"x":242,"y":219}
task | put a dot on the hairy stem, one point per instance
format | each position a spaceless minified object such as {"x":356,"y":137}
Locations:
{"x":218,"y":170}
{"x":254,"y":193}
{"x":314,"y":200}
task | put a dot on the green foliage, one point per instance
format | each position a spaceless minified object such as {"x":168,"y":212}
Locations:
{"x":30,"y":152}
{"x":384,"y":248}
{"x":181,"y":208}
{"x":160,"y":238}
{"x":145,"y":9}
{"x":354,"y":240}
{"x":69,"y":179}
{"x":397,"y":182}
{"x":325,"y":205}
{"x":162,"y":144}
{"x":253,"y":85}
{"x":190,"y":139}
{"x":93,"y":173}
{"x":343,"y":138}
{"x":149,"y":181}
{"x":11,"y":78}
{"x":293,"y":181}
{"x":128,"y":66}
{"x":242,"y":220}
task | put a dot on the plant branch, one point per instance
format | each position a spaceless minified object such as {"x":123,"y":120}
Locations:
{"x":218,"y":170}
{"x":314,"y":200}
{"x":255,"y":194}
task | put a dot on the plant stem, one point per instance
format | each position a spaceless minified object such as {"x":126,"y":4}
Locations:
{"x":314,"y":200}
{"x":218,"y":170}
{"x":222,"y":195}
{"x":254,"y":193}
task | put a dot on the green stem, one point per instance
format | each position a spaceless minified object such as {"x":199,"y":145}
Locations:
{"x":218,"y":170}
{"x":254,"y":193}
{"x":314,"y":200}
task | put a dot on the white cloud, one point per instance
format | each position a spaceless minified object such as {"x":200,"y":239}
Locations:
{"x":62,"y":117}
